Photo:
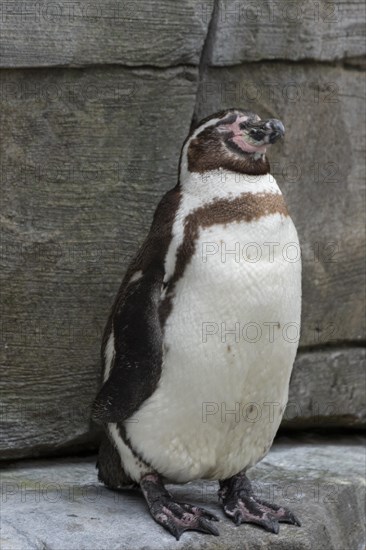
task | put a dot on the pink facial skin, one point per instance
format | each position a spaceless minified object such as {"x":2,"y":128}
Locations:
{"x":238,"y":138}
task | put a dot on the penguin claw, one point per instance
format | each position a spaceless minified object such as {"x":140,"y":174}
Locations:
{"x":271,"y":525}
{"x":238,"y":518}
{"x":206,"y":527}
{"x":173,"y":530}
{"x":289,"y":517}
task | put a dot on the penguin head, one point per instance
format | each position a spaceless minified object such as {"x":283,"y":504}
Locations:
{"x":234,"y":140}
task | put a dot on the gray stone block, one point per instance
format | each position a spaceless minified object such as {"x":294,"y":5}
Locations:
{"x":328,"y":390}
{"x":86,"y":156}
{"x":74,"y":34}
{"x":60,"y":505}
{"x":263,"y":30}
{"x":320,"y":168}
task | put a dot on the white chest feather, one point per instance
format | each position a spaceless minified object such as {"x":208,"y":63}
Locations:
{"x":229,"y":346}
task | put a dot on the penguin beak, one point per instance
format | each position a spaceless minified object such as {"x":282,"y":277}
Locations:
{"x":265,"y":132}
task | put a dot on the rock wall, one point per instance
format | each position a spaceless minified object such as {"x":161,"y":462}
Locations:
{"x":95,"y":103}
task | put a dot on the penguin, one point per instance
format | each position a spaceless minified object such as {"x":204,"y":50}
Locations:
{"x":196,"y":354}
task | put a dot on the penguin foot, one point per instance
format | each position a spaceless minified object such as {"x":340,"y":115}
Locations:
{"x":176,"y":517}
{"x":241,"y":505}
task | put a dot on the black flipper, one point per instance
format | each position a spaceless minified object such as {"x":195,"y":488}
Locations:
{"x":138,"y":351}
{"x":136,"y":324}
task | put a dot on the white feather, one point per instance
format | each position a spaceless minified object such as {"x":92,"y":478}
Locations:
{"x":131,"y":465}
{"x":109,"y":354}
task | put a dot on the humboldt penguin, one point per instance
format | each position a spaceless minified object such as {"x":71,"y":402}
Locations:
{"x":200,"y":343}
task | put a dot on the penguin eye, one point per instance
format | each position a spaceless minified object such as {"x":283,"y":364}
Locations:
{"x":257,"y":134}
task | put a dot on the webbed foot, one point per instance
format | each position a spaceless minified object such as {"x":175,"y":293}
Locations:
{"x":242,"y":506}
{"x":176,"y":517}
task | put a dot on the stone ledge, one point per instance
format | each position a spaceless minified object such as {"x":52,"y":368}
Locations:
{"x":59,"y":505}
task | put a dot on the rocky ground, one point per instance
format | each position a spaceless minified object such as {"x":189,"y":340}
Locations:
{"x":58,"y":504}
